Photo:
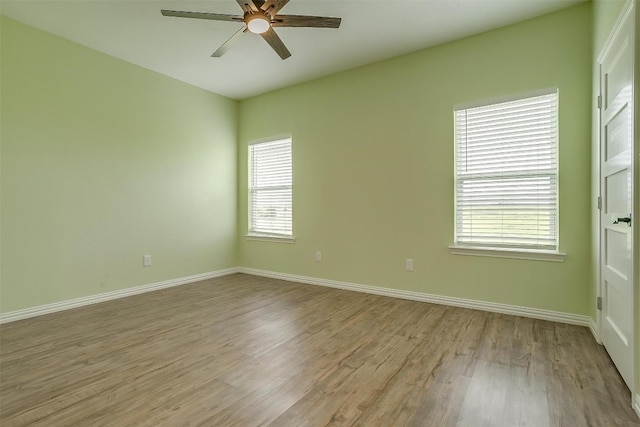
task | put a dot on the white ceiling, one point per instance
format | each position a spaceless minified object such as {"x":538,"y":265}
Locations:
{"x":371,"y":30}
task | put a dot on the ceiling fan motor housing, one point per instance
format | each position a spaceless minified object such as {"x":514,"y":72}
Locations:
{"x":257,"y":22}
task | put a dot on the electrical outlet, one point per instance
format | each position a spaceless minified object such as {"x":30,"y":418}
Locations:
{"x":146,"y":260}
{"x":318,"y":256}
{"x":408,"y":265}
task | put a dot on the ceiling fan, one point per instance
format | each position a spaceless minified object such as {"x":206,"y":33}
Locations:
{"x":260,"y":17}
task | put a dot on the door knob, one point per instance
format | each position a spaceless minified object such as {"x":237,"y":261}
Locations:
{"x":625,"y":219}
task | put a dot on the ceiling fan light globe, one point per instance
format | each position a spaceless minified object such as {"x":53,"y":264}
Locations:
{"x":258,"y":24}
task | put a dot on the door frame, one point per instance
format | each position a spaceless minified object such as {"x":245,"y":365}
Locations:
{"x":628,"y":10}
{"x":636,"y":180}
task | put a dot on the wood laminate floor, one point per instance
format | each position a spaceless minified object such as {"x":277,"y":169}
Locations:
{"x":247,"y":351}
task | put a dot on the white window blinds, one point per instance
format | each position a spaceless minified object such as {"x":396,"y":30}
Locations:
{"x":270,"y":188}
{"x":507,"y":174}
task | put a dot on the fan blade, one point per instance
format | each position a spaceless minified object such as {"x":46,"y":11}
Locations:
{"x":273,"y":6}
{"x":305,"y":21}
{"x":202,"y":15}
{"x":248,"y":6}
{"x":274,"y":41}
{"x":230,"y":42}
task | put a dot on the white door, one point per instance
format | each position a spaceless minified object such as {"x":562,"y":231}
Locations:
{"x":616,"y":186}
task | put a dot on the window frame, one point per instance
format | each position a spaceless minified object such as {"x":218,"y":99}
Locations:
{"x":508,"y":250}
{"x":266,"y":235}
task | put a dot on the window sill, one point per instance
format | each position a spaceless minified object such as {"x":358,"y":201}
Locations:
{"x":508,"y":253}
{"x":270,"y":238}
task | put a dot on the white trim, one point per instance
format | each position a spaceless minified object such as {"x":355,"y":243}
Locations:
{"x":508,"y":253}
{"x":270,"y":139}
{"x":636,"y":405}
{"x":595,"y":331}
{"x":555,"y":316}
{"x":270,"y":238}
{"x":506,"y":98}
{"x":12,"y":316}
{"x":536,"y":313}
{"x":626,"y":9}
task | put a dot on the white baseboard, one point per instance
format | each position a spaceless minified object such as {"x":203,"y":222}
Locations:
{"x":536,"y":313}
{"x":593,"y":327}
{"x":12,"y":316}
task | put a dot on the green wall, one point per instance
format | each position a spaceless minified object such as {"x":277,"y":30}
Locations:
{"x":373,"y":166}
{"x":102,"y":162}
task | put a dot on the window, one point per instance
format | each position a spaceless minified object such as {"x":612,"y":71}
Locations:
{"x":507,"y":174}
{"x":270,"y":189}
